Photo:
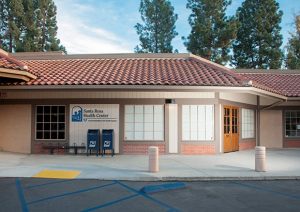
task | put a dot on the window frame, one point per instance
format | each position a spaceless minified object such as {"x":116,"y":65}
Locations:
{"x":190,"y":124}
{"x":242,"y":123}
{"x":285,"y":124}
{"x":144,"y":123}
{"x":65,"y":123}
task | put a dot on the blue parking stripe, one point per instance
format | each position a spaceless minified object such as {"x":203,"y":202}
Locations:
{"x":49,"y":183}
{"x":162,"y":204}
{"x":70,"y":193}
{"x":149,"y":189}
{"x":21,"y":195}
{"x":110,"y":203}
{"x":297,"y":197}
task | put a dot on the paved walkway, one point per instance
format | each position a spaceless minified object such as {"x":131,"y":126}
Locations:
{"x":281,"y":164}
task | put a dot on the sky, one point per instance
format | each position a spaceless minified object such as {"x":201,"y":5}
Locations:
{"x":107,"y":26}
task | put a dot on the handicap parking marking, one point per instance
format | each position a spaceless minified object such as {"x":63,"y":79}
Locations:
{"x":57,"y":174}
{"x":297,"y":197}
{"x":120,"y":195}
{"x":48,"y":183}
{"x":136,"y":194}
{"x":21,"y":195}
{"x":70,"y":193}
{"x":110,"y":203}
{"x":146,"y":196}
{"x":149,"y":189}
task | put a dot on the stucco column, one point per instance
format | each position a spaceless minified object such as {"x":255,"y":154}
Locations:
{"x":218,"y":120}
{"x":172,"y":128}
{"x":258,"y":122}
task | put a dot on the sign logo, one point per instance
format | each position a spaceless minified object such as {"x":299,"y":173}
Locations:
{"x":92,"y":144}
{"x":106,"y":144}
{"x":76,"y":114}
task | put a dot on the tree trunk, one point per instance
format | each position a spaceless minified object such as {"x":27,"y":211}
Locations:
{"x":10,"y":43}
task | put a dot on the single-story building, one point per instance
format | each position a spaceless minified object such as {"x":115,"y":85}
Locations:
{"x":181,"y":103}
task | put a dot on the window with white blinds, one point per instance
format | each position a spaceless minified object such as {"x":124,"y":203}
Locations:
{"x":248,"y":123}
{"x":144,"y":122}
{"x":197,"y":122}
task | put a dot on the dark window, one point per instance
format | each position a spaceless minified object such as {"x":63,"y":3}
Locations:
{"x":50,"y":122}
{"x":292,"y":123}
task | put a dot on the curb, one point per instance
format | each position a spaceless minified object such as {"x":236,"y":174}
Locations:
{"x":194,"y":179}
{"x":183,"y":179}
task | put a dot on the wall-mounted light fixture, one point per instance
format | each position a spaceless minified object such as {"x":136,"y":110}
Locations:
{"x":170,"y":101}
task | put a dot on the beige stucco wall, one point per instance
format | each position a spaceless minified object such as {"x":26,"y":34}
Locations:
{"x":15,"y":130}
{"x":271,"y":128}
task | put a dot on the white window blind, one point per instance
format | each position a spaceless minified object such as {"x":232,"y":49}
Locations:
{"x":144,"y":122}
{"x":197,"y":122}
{"x":248,"y":123}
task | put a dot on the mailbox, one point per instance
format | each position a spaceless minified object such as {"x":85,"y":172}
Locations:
{"x":93,"y":138}
{"x":107,"y":141}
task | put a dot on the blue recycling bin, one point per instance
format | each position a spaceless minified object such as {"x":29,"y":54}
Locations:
{"x":107,"y":141}
{"x":93,"y":141}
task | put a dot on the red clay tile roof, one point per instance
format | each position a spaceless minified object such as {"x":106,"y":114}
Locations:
{"x":285,"y":82}
{"x":184,"y":71}
{"x":142,"y":69}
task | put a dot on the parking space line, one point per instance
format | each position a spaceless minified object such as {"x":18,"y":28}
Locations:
{"x":21,"y":195}
{"x":149,"y":189}
{"x":70,"y":193}
{"x":49,"y":183}
{"x":110,"y":203}
{"x":146,"y":196}
{"x":297,"y":197}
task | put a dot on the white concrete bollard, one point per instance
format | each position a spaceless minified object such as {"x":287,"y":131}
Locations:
{"x":260,"y":159}
{"x":153,"y":159}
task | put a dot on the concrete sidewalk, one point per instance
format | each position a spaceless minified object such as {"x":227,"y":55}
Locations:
{"x":281,"y":164}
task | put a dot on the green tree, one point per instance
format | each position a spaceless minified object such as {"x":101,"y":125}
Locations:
{"x":258,"y":38}
{"x":11,"y":14}
{"x":28,"y":38}
{"x":158,"y":30}
{"x":28,"y":25}
{"x":293,"y":48}
{"x":212,"y":31}
{"x":46,"y":26}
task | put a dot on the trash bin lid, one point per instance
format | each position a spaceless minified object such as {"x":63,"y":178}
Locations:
{"x":107,"y":130}
{"x":93,"y":131}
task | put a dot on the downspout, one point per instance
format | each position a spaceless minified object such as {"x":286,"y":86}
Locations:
{"x":257,"y":120}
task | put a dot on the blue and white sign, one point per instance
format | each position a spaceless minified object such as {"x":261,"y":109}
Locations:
{"x":106,"y":144}
{"x":93,"y":116}
{"x":76,"y":114}
{"x":92,"y":144}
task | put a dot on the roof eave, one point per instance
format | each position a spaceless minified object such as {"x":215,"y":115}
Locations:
{"x":252,"y":90}
{"x":293,"y":98}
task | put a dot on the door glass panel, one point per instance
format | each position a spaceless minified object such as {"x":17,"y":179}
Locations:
{"x":226,"y":120}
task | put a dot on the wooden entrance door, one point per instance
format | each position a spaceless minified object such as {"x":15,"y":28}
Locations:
{"x":231,"y":129}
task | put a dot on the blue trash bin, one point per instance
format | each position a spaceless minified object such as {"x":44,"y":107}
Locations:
{"x":107,"y":141}
{"x":93,"y":141}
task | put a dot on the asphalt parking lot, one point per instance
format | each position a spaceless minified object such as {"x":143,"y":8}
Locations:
{"x":34,"y":194}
